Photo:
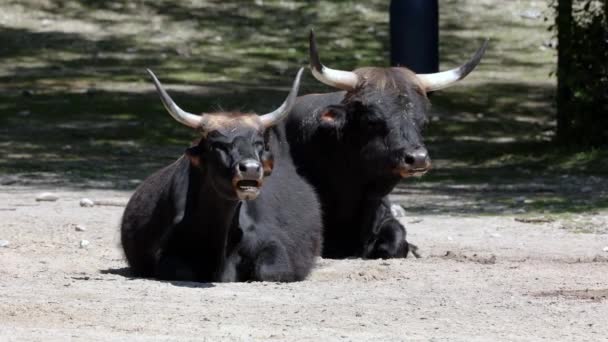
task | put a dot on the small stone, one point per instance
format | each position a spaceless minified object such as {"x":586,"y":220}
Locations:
{"x":87,"y":203}
{"x":531,"y":14}
{"x":520,"y":200}
{"x":4,"y":243}
{"x":397,"y":210}
{"x":47,"y":196}
{"x":496,"y":235}
{"x":84,"y":243}
{"x":80,"y":228}
{"x":605,"y":249}
{"x":450,"y":238}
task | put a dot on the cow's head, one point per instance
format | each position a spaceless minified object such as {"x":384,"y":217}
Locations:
{"x":234,"y":148}
{"x":383,"y":113}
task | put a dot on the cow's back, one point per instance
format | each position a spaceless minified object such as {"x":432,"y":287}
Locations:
{"x":324,"y":165}
{"x":148,"y":214}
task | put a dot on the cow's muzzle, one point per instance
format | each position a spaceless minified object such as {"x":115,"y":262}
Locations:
{"x":247,"y":180}
{"x":414,"y":163}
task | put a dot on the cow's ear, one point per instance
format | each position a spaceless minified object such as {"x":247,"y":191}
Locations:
{"x":194,"y":154}
{"x":332,"y":117}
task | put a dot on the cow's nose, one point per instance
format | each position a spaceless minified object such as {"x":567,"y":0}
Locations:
{"x":418,"y":159}
{"x":249,"y":169}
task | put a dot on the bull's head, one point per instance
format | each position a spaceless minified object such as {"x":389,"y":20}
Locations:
{"x":383,"y":113}
{"x":234,"y":148}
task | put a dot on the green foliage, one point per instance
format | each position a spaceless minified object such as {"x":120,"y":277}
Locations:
{"x":582,"y":27}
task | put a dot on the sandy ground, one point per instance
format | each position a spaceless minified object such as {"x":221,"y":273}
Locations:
{"x":480,"y":278}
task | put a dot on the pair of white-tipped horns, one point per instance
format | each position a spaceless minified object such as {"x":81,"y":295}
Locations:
{"x":348,"y":80}
{"x":197,"y":121}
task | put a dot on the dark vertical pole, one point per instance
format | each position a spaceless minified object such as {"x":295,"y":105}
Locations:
{"x":414,"y":28}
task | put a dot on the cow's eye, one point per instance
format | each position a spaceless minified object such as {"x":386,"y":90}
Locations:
{"x":259,"y":146}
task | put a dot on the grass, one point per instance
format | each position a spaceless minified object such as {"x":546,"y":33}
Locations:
{"x":76,"y":103}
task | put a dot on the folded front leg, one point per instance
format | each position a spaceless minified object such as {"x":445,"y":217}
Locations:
{"x":273,"y":264}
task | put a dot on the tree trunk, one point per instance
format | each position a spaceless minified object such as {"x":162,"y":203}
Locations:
{"x":563,"y":23}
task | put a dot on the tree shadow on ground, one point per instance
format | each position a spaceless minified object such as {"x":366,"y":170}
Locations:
{"x":77,"y":108}
{"x":109,"y":139}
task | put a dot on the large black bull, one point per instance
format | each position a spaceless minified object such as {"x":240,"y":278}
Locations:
{"x":206,"y":218}
{"x":355,"y":145}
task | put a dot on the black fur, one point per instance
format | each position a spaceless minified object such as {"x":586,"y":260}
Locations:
{"x":182,"y":223}
{"x":347,"y":145}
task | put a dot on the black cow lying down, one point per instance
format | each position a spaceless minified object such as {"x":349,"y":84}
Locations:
{"x":206,"y":218}
{"x":354,"y":146}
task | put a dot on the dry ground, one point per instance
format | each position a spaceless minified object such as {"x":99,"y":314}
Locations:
{"x":480,"y":278}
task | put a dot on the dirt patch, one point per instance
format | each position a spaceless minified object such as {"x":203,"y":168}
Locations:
{"x":597,"y":295}
{"x":597,"y":258}
{"x":460,"y":257}
{"x":536,"y":220}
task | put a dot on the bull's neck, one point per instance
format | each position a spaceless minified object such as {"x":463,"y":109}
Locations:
{"x":214,"y":215}
{"x":211,"y":208}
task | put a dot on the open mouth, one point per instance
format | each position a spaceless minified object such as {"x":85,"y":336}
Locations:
{"x":404,"y":173}
{"x":248,"y":185}
{"x":248,"y":189}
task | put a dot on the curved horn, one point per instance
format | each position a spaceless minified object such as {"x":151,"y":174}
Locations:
{"x":346,"y":80}
{"x":280,"y":113}
{"x":445,"y":79}
{"x":183,"y":117}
